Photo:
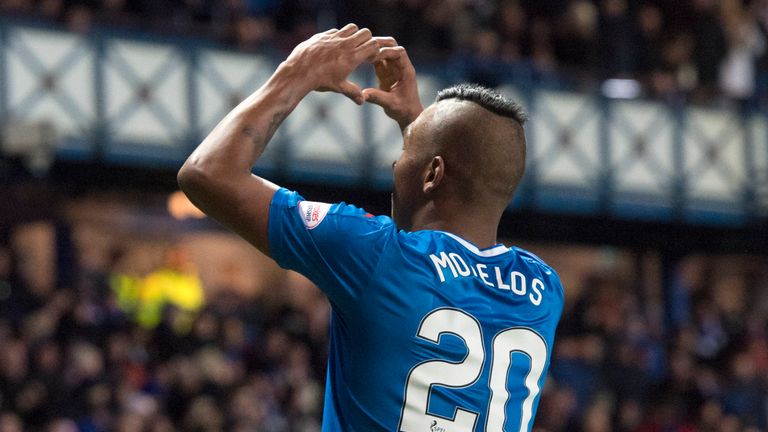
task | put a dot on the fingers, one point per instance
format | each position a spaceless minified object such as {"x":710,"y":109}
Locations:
{"x":390,"y":53}
{"x":386,"y":41}
{"x":352,"y":91}
{"x":347,"y":30}
{"x":377,"y":97}
{"x":359,"y":37}
{"x":399,"y":56}
{"x":367,"y":51}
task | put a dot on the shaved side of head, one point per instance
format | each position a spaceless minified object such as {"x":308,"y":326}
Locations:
{"x":480,"y":134}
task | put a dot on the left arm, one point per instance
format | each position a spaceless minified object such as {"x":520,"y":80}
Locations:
{"x":217,"y":176}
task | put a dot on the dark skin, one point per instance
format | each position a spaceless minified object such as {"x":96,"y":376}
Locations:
{"x":217,"y":176}
{"x":457,"y":172}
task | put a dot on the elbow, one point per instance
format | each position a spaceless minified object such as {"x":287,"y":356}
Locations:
{"x":192,"y":179}
{"x":204,"y":183}
{"x":186,"y":177}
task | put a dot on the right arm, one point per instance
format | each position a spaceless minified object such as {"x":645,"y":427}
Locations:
{"x":217,"y":176}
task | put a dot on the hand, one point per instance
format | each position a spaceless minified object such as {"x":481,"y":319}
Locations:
{"x":398,"y":93}
{"x":327,"y":59}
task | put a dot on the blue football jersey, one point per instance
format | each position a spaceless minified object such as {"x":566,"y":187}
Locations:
{"x":428,"y":332}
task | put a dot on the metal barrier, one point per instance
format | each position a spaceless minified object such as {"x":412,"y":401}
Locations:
{"x":126,"y":99}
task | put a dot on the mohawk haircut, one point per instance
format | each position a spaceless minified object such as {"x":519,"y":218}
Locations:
{"x":487,"y":98}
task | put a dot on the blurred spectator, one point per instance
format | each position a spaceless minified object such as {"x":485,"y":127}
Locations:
{"x":512,"y":28}
{"x":484,"y":66}
{"x":79,"y":18}
{"x":746,"y":43}
{"x":616,"y":44}
{"x":253,"y":33}
{"x":760,"y":10}
{"x":542,"y":47}
{"x":17,"y":6}
{"x":650,"y":24}
{"x":710,"y":47}
{"x":677,"y":76}
{"x":175,"y":285}
{"x":51,"y":9}
{"x":576,"y":40}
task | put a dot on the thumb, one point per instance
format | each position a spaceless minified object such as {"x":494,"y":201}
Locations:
{"x":377,"y":96}
{"x":352,"y":91}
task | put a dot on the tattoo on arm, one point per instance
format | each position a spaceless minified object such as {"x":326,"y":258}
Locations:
{"x":277,"y":119}
{"x":260,"y":139}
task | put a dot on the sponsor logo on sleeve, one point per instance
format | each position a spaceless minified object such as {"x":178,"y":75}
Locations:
{"x":312,"y":213}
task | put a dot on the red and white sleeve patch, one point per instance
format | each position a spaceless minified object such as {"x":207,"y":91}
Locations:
{"x":312,"y":213}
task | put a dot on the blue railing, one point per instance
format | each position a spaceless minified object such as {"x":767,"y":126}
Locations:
{"x":128,"y":99}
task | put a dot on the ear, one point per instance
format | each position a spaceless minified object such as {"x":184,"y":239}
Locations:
{"x":435,"y":174}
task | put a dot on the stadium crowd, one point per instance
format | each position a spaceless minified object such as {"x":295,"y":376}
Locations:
{"x":84,"y":356}
{"x":702,"y":51}
{"x":617,"y":368}
{"x":114,"y":351}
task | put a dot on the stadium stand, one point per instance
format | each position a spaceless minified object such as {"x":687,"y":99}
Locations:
{"x":702,"y":51}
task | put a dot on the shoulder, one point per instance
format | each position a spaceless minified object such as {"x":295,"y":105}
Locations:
{"x":531,"y":257}
{"x":535,"y":261}
{"x":314,"y":214}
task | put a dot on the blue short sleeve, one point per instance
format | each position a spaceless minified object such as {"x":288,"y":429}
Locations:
{"x":336,"y":246}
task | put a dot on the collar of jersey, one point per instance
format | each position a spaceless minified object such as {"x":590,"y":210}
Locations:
{"x":489,"y":252}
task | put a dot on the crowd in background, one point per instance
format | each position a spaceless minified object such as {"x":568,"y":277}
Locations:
{"x":116,"y":351}
{"x":617,"y":368}
{"x":80,"y":357}
{"x":702,"y":51}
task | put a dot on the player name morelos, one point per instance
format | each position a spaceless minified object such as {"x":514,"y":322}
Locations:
{"x":493,"y":276}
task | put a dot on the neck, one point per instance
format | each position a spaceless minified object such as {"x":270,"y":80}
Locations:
{"x":479,"y":227}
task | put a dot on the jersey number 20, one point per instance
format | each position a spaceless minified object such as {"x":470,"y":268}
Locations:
{"x":523,"y":340}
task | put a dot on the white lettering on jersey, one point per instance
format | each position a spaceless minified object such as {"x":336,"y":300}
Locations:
{"x":441,"y":263}
{"x":514,"y":282}
{"x":519,"y":284}
{"x":459,"y":263}
{"x":312,"y":213}
{"x":500,"y":283}
{"x":538,"y":287}
{"x":483,"y":275}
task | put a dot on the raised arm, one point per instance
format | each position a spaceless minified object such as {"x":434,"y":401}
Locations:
{"x":217,"y":176}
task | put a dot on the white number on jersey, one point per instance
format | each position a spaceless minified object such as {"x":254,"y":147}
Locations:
{"x":423,"y":376}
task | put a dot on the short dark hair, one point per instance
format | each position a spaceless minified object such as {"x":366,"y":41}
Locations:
{"x":487,"y":98}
